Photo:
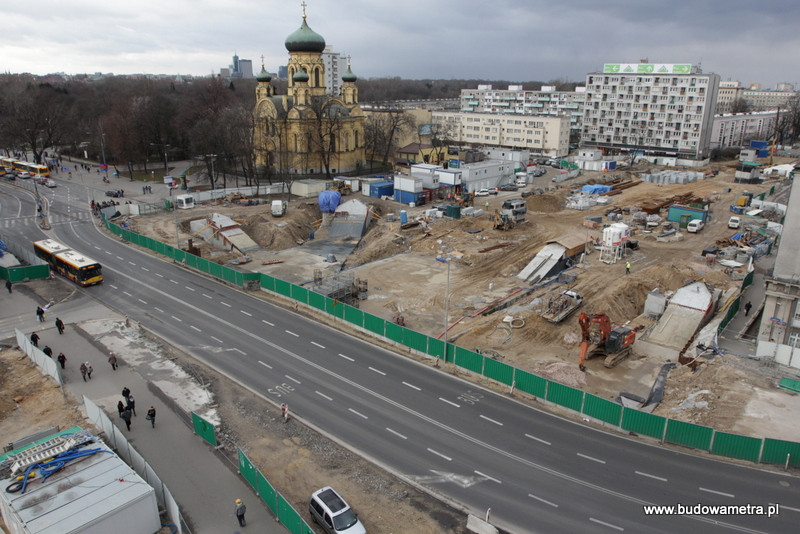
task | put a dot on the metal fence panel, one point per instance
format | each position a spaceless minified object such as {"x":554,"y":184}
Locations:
{"x":602,"y":409}
{"x":315,"y":300}
{"x":353,"y":315}
{"x":215,"y":269}
{"x":374,"y":324}
{"x":300,"y":294}
{"x":204,"y":429}
{"x":267,"y":492}
{"x":777,"y":451}
{"x":436,"y":347}
{"x":469,"y":360}
{"x":23,"y":274}
{"x":394,"y":332}
{"x":748,"y":279}
{"x":564,"y":395}
{"x":283,"y":288}
{"x":248,"y":470}
{"x":736,"y":446}
{"x":689,"y":434}
{"x":643,"y":423}
{"x":289,"y":516}
{"x":530,"y":383}
{"x":415,"y":340}
{"x":268,"y":283}
{"x":502,"y":372}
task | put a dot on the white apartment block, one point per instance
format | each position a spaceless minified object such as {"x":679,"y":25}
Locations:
{"x":542,"y":136}
{"x":515,"y":100}
{"x":758,"y":99}
{"x":335,"y":67}
{"x":736,"y":130}
{"x":652,"y":108}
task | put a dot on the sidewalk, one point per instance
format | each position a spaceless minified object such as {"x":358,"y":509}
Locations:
{"x":204,"y":484}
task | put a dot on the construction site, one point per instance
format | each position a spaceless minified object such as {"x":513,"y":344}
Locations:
{"x":597,"y":282}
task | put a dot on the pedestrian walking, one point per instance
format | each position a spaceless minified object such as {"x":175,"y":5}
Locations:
{"x":9,"y":285}
{"x":120,"y":408}
{"x":60,"y":326}
{"x":47,"y":350}
{"x":131,"y":402}
{"x":112,"y":359}
{"x":628,"y":267}
{"x":62,"y":359}
{"x":126,"y":416}
{"x":40,"y":314}
{"x":240,"y":510}
{"x":35,"y":339}
{"x":151,"y":416}
{"x":84,"y":370}
{"x":126,"y":393}
{"x":747,"y":308}
{"x":89,"y":370}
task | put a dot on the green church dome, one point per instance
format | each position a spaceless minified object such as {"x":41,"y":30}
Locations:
{"x":305,"y":40}
{"x":349,"y":76}
{"x":264,"y":76}
{"x":300,"y":76}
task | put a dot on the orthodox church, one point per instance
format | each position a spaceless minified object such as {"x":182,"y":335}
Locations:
{"x":306,"y":131}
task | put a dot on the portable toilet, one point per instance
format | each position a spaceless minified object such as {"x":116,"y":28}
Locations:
{"x":184,"y":202}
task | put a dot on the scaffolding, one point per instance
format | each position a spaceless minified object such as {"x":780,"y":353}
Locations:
{"x":340,"y":287}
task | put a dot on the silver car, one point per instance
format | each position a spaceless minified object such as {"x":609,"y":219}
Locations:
{"x":333,"y":514}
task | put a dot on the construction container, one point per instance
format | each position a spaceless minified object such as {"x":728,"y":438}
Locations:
{"x":381,"y":189}
{"x":407,"y":183}
{"x":453,"y":211}
{"x":408,"y":197}
{"x":758,"y":145}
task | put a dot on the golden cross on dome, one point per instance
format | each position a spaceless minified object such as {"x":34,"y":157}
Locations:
{"x":304,"y":5}
{"x":262,"y":61}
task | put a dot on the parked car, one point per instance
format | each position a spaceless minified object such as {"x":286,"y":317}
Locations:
{"x":24,"y":175}
{"x":115,"y":193}
{"x":482,"y":192}
{"x":540,"y":172}
{"x":694,"y":226}
{"x":50,"y":183}
{"x":333,"y":514}
{"x":508,"y":187}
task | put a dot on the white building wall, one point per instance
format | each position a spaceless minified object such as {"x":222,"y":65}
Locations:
{"x":736,"y":130}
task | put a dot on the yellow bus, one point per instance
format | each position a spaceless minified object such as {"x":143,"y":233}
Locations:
{"x":69,"y":263}
{"x":35,"y":169}
{"x":8,"y":163}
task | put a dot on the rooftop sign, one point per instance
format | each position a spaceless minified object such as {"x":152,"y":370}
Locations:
{"x":647,"y":68}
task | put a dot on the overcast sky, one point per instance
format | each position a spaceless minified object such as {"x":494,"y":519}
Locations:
{"x":516,"y":40}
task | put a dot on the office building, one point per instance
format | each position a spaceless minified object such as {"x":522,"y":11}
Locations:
{"x":736,"y":130}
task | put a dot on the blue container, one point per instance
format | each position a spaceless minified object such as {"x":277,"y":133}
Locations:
{"x":762,"y":153}
{"x":380,"y":189}
{"x":403,"y":217}
{"x":758,"y":144}
{"x":406,"y":197}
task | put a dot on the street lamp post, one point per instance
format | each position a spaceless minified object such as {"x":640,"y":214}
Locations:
{"x":446,"y":306}
{"x":103,"y":150}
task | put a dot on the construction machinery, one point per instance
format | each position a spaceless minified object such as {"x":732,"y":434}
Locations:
{"x":561,"y":306}
{"x":613,"y":342}
{"x":465,"y":199}
{"x":342,"y":187}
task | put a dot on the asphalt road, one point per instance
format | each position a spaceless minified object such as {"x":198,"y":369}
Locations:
{"x":537,"y":472}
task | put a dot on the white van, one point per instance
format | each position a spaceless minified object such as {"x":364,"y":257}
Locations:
{"x":694,"y":226}
{"x":734,"y":222}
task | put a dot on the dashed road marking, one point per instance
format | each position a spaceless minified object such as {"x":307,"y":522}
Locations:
{"x":190,"y":288}
{"x":648,"y":475}
{"x":218,"y":340}
{"x":225,"y":304}
{"x":194,"y":328}
{"x":126,"y":293}
{"x":267,"y":322}
{"x":159,"y":274}
{"x":450,"y":402}
{"x":246,"y":313}
{"x":177,"y":318}
{"x":239,"y":351}
{"x":398,"y":434}
{"x":296,"y":381}
{"x":357,"y":413}
{"x":317,"y":345}
{"x":291,"y":333}
{"x":440,"y":455}
{"x":207,"y":296}
{"x":113,"y":286}
{"x":119,"y":257}
{"x":545,"y":501}
{"x":498,"y":423}
{"x":268,"y":366}
{"x":323,"y":395}
{"x":158,"y":309}
{"x":715,"y":492}
{"x":346,"y":357}
{"x":609,"y":525}
{"x":377,"y":371}
{"x":484,"y":475}
{"x":140,"y":300}
{"x":599,"y":461}
{"x":412,"y":386}
{"x":540,"y":440}
{"x":174,"y":281}
{"x":145,"y":269}
{"x":132,"y":263}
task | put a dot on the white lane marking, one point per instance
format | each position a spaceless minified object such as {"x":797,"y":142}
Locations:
{"x":225,"y":304}
{"x":377,"y":371}
{"x":109,"y":253}
{"x":346,"y":357}
{"x":268,"y":366}
{"x":398,"y":434}
{"x":648,"y":475}
{"x":449,"y":402}
{"x":177,"y":318}
{"x":599,"y":461}
{"x":440,"y":455}
{"x":159,"y":274}
{"x":498,"y":423}
{"x":113,"y":286}
{"x":239,"y":351}
{"x":119,"y":257}
{"x":218,"y":340}
{"x":411,"y":386}
{"x":143,"y":302}
{"x":132,"y":263}
{"x":718,"y":492}
{"x":317,"y":345}
{"x":532,"y":496}
{"x":784,"y":507}
{"x":292,"y":333}
{"x":357,"y":413}
{"x":194,"y":328}
{"x":296,"y":381}
{"x":484,"y":475}
{"x":158,"y":309}
{"x":145,"y":269}
{"x":540,"y":440}
{"x":246,"y":313}
{"x":126,"y":293}
{"x":190,"y":288}
{"x":207,"y":296}
{"x":267,"y":322}
{"x":174,"y":281}
{"x":609,"y":525}
{"x":323,"y":395}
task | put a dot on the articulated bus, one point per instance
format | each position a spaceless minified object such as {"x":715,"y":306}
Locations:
{"x":36,"y":170}
{"x":8,"y":163}
{"x":69,"y":263}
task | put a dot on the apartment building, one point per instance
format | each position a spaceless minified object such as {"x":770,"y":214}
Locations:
{"x":515,"y":100}
{"x":736,"y":130}
{"x":542,"y":136}
{"x":757,"y":98}
{"x":335,"y":67}
{"x":656,"y":109}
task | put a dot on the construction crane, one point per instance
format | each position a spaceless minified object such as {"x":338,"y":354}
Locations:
{"x":613,"y":342}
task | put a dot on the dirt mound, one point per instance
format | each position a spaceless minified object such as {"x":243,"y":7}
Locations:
{"x":548,"y":203}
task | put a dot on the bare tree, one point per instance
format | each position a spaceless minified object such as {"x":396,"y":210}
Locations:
{"x":740,"y":105}
{"x":442,"y":135}
{"x":382,"y":129}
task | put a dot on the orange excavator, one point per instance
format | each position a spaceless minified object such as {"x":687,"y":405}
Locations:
{"x":613,"y":342}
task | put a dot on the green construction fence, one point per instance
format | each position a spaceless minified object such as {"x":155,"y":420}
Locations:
{"x":757,"y":450}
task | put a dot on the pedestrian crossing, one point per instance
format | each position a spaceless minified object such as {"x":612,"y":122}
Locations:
{"x":54,"y":219}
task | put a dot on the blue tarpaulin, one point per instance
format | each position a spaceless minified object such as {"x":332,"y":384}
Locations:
{"x":329,"y":201}
{"x":596,"y":189}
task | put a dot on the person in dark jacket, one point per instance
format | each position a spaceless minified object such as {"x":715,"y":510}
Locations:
{"x":40,"y":314}
{"x":125,"y":393}
{"x":131,"y":404}
{"x":35,"y":339}
{"x":84,"y":369}
{"x":120,"y":408}
{"x":47,"y":350}
{"x":240,"y":510}
{"x":151,"y":416}
{"x":60,"y":326}
{"x":126,"y":416}
{"x":62,"y":359}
